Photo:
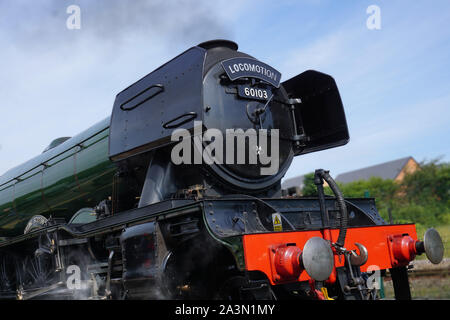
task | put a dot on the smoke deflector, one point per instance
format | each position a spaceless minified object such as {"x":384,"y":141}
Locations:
{"x":318,"y":112}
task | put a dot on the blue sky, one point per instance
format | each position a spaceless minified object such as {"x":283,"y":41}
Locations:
{"x":394,"y":82}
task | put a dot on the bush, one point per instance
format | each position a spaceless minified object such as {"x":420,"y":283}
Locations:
{"x":430,"y":184}
{"x":415,"y":214}
{"x":421,"y":197}
{"x":309,"y":188}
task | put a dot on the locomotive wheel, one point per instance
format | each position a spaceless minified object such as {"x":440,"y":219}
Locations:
{"x":7,"y":276}
{"x":38,"y":272}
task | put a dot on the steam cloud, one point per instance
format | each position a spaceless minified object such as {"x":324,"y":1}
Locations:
{"x":63,"y":77}
{"x":112,"y":21}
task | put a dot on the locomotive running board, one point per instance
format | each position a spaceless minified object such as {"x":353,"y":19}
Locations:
{"x":117,"y":221}
{"x":216,"y":212}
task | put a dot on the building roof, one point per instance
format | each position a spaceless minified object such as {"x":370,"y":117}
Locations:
{"x":386,"y":170}
{"x":293,"y":182}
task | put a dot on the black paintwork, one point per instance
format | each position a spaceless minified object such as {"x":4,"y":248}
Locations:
{"x":400,"y":282}
{"x":141,"y":110}
{"x":161,"y":224}
{"x":320,"y":113}
{"x":234,"y":215}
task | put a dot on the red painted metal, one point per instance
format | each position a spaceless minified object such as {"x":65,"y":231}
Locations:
{"x":403,"y":249}
{"x":286,"y":259}
{"x":260,"y":249}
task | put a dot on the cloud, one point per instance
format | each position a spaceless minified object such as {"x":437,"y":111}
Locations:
{"x":408,"y":130}
{"x":110,"y":22}
{"x":392,"y":84}
{"x":58,"y":82}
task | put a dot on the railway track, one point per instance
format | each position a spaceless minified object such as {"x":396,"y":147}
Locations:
{"x":424,"y":268}
{"x":429,"y":273}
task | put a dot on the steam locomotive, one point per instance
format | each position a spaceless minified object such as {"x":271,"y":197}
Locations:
{"x":177,"y":195}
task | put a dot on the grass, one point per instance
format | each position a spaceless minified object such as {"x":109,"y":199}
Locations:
{"x":423,"y":288}
{"x":444,"y":231}
{"x":432,"y":287}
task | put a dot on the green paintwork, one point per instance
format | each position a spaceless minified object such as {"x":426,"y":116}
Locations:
{"x":233,"y":243}
{"x":237,"y":250}
{"x":75,"y":174}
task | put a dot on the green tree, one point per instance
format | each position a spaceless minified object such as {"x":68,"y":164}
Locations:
{"x":429,"y":184}
{"x":309,"y":188}
{"x":384,"y":192}
{"x":427,"y":193}
{"x":422,"y":197}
